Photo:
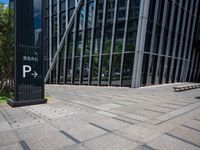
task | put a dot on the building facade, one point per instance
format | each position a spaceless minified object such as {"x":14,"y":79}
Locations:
{"x":129,"y":43}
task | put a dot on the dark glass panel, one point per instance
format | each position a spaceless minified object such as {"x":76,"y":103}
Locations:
{"x":144,"y":70}
{"x":161,"y":69}
{"x":76,"y":70}
{"x":118,"y":43}
{"x":153,"y":68}
{"x":168,"y":69}
{"x":147,"y":42}
{"x":53,"y":75}
{"x":85,"y":70}
{"x":116,"y":70}
{"x":95,"y":65}
{"x":127,"y":69}
{"x":69,"y":70}
{"x":70,"y":44}
{"x":71,"y":3}
{"x":172,"y":79}
{"x":179,"y":70}
{"x":105,"y":69}
{"x":79,"y":44}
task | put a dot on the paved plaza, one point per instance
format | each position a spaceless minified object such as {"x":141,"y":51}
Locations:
{"x":105,"y":118}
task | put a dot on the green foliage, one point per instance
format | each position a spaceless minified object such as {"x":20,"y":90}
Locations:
{"x":6,"y":44}
{"x":3,"y":96}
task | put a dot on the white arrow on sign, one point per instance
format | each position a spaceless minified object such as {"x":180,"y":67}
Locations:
{"x":34,"y":74}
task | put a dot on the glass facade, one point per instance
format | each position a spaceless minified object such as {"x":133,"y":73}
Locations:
{"x":119,"y":43}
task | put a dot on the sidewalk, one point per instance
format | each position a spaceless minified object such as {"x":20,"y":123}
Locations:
{"x":105,"y":118}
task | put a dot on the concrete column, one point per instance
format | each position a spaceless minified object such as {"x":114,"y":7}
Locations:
{"x":141,"y":35}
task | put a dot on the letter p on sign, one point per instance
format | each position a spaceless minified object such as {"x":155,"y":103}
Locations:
{"x":26,"y":69}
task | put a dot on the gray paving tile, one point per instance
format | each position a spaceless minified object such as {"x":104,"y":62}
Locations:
{"x":148,"y":113}
{"x":91,"y":114}
{"x":107,"y":113}
{"x":35,"y":131}
{"x":110,"y":142}
{"x":166,"y":142}
{"x":195,"y":124}
{"x":136,"y":117}
{"x":84,"y":132}
{"x":144,"y":147}
{"x":160,"y":109}
{"x":178,"y":112}
{"x":7,"y":138}
{"x":49,"y":141}
{"x":108,"y":106}
{"x":139,"y":133}
{"x":111,"y":124}
{"x":75,"y":147}
{"x":186,"y":134}
{"x":13,"y":146}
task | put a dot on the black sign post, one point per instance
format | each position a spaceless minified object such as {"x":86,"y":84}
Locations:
{"x":29,"y":76}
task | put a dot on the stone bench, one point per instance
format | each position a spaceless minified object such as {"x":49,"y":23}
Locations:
{"x":185,"y":87}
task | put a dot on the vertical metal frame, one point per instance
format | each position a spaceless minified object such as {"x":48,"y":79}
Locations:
{"x":168,"y":41}
{"x":112,"y":43}
{"x":66,"y":44}
{"x":50,"y":35}
{"x":192,"y":38}
{"x":186,"y":42}
{"x":192,"y":65}
{"x":181,"y":46}
{"x":196,"y":67}
{"x":74,"y":47}
{"x":175,"y":44}
{"x":92,"y":42}
{"x":58,"y":40}
{"x":157,"y":3}
{"x":161,"y":42}
{"x":141,"y":35}
{"x":83,"y":42}
{"x":102,"y":41}
{"x":124,"y":41}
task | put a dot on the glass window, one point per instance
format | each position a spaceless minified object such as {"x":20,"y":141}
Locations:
{"x":116,"y":70}
{"x":127,"y":69}
{"x":69,"y":70}
{"x":105,"y":69}
{"x":144,"y":69}
{"x":95,"y":65}
{"x":85,"y":70}
{"x":76,"y":70}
